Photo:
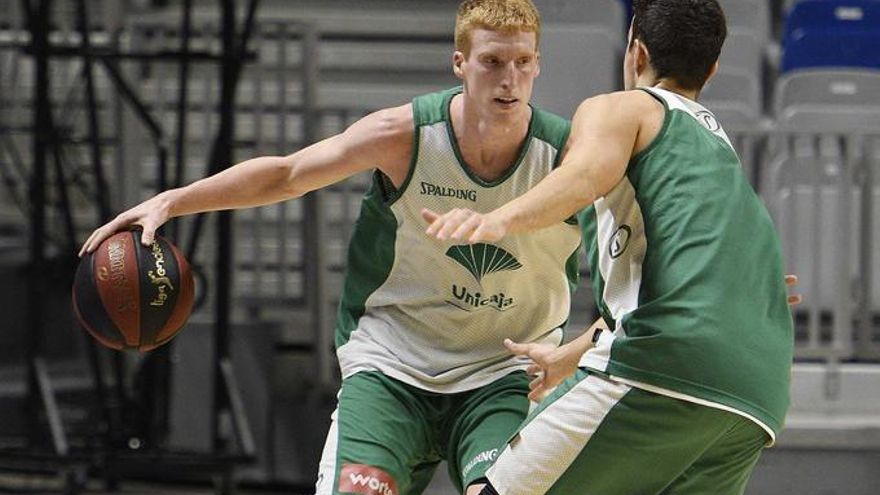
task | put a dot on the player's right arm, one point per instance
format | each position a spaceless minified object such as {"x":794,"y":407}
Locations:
{"x":380,"y":140}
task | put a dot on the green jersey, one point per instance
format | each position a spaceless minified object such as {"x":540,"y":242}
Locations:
{"x":433,"y":314}
{"x":687,"y":270}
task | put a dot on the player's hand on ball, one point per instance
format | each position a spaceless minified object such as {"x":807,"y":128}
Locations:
{"x":462,"y":224}
{"x":149,"y":215}
{"x":551,"y":365}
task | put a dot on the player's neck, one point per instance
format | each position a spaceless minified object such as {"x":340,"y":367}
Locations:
{"x":672,"y":86}
{"x":488,"y":144}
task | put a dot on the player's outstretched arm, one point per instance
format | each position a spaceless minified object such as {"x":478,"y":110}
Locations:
{"x":380,"y":140}
{"x":604,"y":134}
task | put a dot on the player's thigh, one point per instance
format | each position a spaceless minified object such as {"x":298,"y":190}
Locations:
{"x":599,"y":436}
{"x":483,"y":424}
{"x":377,"y":437}
{"x":725,"y":468}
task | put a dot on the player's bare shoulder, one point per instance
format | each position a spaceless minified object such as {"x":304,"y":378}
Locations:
{"x":631,"y":105}
{"x":639,"y":109}
{"x":387,"y":135}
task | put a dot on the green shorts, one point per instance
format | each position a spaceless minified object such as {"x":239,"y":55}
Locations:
{"x":387,"y":437}
{"x":597,"y":436}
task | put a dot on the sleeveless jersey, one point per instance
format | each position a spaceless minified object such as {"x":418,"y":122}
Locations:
{"x":687,"y":268}
{"x":433,"y":313}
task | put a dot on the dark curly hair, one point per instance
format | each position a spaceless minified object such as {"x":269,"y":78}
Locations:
{"x":684,"y":37}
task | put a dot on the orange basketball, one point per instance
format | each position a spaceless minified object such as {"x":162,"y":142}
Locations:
{"x":130,"y":296}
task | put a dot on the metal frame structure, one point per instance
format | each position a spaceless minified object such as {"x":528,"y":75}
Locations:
{"x":111,"y":455}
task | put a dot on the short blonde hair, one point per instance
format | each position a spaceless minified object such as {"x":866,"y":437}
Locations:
{"x":495,"y":15}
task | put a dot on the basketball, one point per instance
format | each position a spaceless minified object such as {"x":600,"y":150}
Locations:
{"x":131,"y":296}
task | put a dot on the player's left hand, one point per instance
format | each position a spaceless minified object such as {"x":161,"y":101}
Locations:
{"x":551,"y":365}
{"x":462,"y":224}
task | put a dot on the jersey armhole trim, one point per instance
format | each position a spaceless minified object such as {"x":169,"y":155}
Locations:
{"x":667,"y":117}
{"x":413,"y":159}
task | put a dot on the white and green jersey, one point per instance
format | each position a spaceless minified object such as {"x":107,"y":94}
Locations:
{"x":687,"y":268}
{"x":432,"y":313}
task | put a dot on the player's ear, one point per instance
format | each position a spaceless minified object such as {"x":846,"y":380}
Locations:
{"x":712,"y":72}
{"x":457,"y":61}
{"x":642,"y":56}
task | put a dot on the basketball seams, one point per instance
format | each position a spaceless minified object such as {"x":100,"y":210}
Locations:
{"x":120,"y":301}
{"x":95,"y":333}
{"x":111,"y":281}
{"x":135,"y":341}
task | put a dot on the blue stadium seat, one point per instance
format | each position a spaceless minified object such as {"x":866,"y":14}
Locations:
{"x":833,"y":15}
{"x":839,"y":50}
{"x":832,"y":33}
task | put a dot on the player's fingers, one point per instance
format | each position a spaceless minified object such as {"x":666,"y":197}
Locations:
{"x":429,"y":216}
{"x":466,"y":228}
{"x":86,"y":245}
{"x":538,"y":394}
{"x":437,"y":222}
{"x":435,"y":226}
{"x":148,"y":235}
{"x":483,"y":234}
{"x":791,"y":279}
{"x":537,"y":382}
{"x":795,"y":300}
{"x":533,"y":369}
{"x":451,"y":222}
{"x":95,"y":239}
{"x":517,"y":348}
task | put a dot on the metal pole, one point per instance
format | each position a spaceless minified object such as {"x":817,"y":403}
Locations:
{"x":39,"y":389}
{"x":182,"y":101}
{"x":313,"y":222}
{"x":236,"y":62}
{"x":223,"y":267}
{"x":39,"y":27}
{"x":94,"y":128}
{"x":865,"y":247}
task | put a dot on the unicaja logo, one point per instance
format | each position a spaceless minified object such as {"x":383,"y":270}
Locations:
{"x":481,"y":260}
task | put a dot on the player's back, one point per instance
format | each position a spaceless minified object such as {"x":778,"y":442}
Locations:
{"x":688,"y":264}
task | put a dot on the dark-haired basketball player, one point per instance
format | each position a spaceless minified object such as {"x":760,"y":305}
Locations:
{"x":693,"y":381}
